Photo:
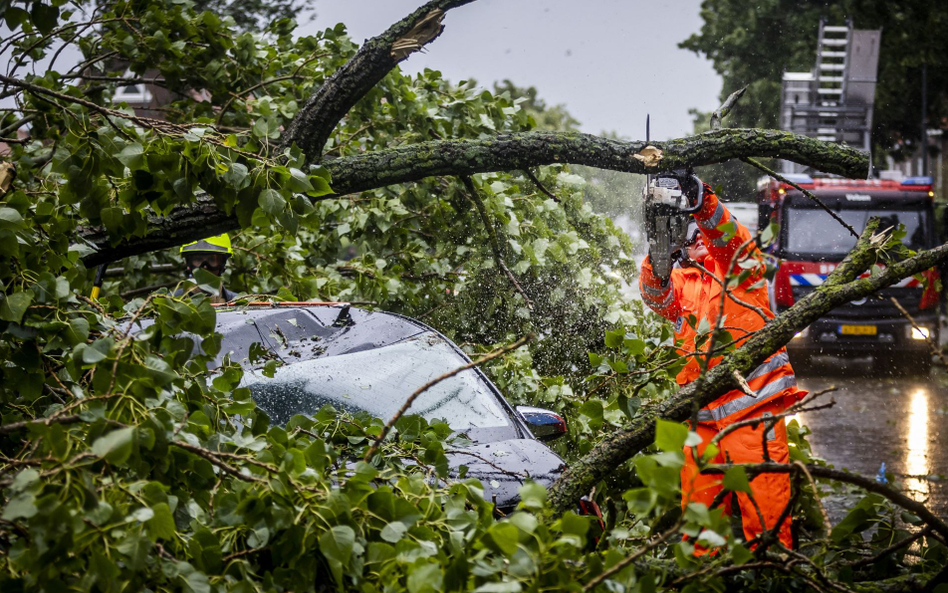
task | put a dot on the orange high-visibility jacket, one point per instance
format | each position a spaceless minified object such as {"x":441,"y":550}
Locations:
{"x":692,"y":292}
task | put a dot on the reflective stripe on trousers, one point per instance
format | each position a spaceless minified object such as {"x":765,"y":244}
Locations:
{"x":745,"y":401}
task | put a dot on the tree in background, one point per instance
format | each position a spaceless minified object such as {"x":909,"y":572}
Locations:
{"x":252,"y":15}
{"x":752,"y":44}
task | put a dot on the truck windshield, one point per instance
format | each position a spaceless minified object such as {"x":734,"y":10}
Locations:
{"x":378,"y":381}
{"x":813,"y":231}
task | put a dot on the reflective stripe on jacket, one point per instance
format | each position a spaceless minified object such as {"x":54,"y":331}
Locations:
{"x":691,"y":296}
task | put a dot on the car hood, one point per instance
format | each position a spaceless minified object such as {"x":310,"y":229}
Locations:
{"x":504,"y":466}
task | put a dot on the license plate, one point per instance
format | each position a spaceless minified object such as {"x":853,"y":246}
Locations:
{"x":857,"y":330}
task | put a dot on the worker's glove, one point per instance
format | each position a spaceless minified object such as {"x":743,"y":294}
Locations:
{"x":686,"y":180}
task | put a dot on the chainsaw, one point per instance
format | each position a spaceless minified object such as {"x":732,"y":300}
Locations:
{"x":667,"y":213}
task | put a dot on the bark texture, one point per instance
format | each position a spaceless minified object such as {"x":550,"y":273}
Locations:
{"x":502,"y":153}
{"x":841,"y":287}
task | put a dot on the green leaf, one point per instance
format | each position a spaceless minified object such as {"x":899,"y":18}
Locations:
{"x":670,"y":436}
{"x":196,"y":582}
{"x":15,"y":17}
{"x":135,"y":547}
{"x":10,"y":218}
{"x":265,"y":127}
{"x":159,"y":370}
{"x":635,"y":346}
{"x":45,"y":17}
{"x":24,"y":479}
{"x":857,"y":520}
{"x":299,"y":182}
{"x":321,"y":187}
{"x":207,"y":281}
{"x":735,"y":479}
{"x":500,"y":587}
{"x":393,"y":532}
{"x":21,"y":506}
{"x":740,"y":554}
{"x":161,"y":525}
{"x":574,"y":524}
{"x":14,"y":306}
{"x":112,"y":219}
{"x":704,"y":326}
{"x":614,"y":338}
{"x":533,"y":496}
{"x":592,"y":409}
{"x":259,"y":537}
{"x":116,"y":446}
{"x":271,"y":202}
{"x":97,"y":351}
{"x":728,"y":230}
{"x":504,"y":537}
{"x":141,"y":514}
{"x":237,"y":176}
{"x":131,"y":156}
{"x":336,"y":546}
{"x":425,"y":578}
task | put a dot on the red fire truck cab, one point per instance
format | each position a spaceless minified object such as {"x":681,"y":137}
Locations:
{"x":811,"y":244}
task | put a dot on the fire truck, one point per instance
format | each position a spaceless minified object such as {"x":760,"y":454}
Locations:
{"x":810,"y":244}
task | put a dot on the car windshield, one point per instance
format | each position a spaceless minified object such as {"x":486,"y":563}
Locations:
{"x":811,"y":230}
{"x":378,"y":381}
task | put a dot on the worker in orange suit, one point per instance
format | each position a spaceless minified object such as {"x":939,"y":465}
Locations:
{"x":692,"y":291}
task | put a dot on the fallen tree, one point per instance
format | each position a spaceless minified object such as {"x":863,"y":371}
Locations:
{"x":124,"y":466}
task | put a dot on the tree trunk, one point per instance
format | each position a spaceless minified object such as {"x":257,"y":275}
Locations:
{"x":505,"y":152}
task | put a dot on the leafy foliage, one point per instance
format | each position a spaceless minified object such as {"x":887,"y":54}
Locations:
{"x":128,"y":465}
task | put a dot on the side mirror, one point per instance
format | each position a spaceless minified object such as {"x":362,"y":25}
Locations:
{"x":544,"y":424}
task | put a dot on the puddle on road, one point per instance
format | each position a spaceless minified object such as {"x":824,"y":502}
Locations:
{"x":882,"y":419}
{"x":916,"y":451}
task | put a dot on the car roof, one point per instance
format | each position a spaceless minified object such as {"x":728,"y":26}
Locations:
{"x":302,"y":331}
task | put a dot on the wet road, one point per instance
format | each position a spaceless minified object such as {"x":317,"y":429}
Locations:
{"x":896,"y":420}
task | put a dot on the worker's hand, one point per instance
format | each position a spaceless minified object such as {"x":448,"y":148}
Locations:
{"x":690,"y":184}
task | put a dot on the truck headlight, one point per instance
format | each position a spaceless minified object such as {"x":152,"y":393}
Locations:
{"x":801,"y":334}
{"x":919,"y":333}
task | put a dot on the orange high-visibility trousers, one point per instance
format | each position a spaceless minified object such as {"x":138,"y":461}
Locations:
{"x":744,"y":445}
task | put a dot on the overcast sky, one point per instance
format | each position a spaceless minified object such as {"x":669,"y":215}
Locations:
{"x":609,"y":61}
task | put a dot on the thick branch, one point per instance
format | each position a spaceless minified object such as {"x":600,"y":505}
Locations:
{"x":530,"y":149}
{"x":314,"y":122}
{"x":475,"y":198}
{"x":505,"y":152}
{"x":868,"y":484}
{"x":840,"y":287}
{"x":725,"y":109}
{"x":16,"y":426}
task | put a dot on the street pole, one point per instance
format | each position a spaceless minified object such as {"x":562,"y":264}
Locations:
{"x":924,"y":119}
